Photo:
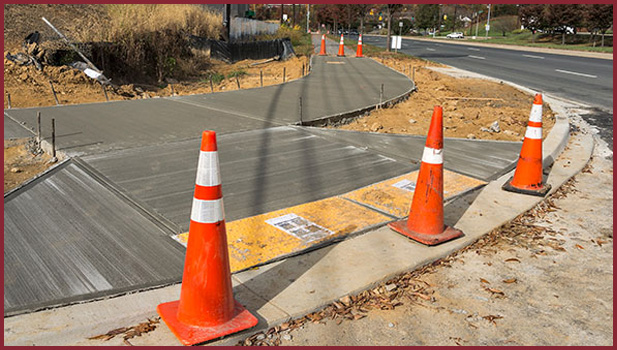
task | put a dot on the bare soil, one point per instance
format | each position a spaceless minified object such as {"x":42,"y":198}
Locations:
{"x":21,"y":163}
{"x":31,"y":88}
{"x":469,"y":105}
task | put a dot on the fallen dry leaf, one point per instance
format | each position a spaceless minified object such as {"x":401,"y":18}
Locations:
{"x":510,"y":280}
{"x":579,"y":246}
{"x":492,"y":318}
{"x":513,"y":260}
{"x":495,"y":291}
{"x":423,"y":296}
{"x":484,"y":281}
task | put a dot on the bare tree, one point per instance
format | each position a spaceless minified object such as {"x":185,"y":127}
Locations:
{"x":599,"y":18}
{"x":391,"y":10}
{"x":506,"y":24}
{"x":562,"y":17}
{"x":361,"y":10}
{"x":532,"y":18}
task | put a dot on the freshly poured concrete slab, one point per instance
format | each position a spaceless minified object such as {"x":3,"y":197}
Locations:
{"x":69,"y":237}
{"x":12,"y":130}
{"x":262,"y":170}
{"x":330,"y":89}
{"x":485,"y":160}
{"x":101,"y":127}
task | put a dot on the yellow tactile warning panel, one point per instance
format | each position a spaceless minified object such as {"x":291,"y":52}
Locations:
{"x":394,"y":196}
{"x":261,"y":238}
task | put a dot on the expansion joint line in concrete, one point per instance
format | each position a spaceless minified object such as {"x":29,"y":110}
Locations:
{"x":228,"y":112}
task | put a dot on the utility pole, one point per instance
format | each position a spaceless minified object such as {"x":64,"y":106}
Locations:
{"x":227,"y":22}
{"x":488,"y":20}
{"x":454,"y":18}
{"x":477,"y":22}
{"x":308,"y":12}
{"x":282,"y":10}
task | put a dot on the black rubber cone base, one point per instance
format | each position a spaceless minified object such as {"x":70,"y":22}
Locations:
{"x":540,"y":192}
{"x":448,"y":234}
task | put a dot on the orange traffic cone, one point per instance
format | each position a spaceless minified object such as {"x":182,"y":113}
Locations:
{"x":527,"y":177}
{"x":359,"y":50}
{"x":425,"y":223}
{"x":206,"y":309}
{"x":341,"y":48}
{"x":322,"y":52}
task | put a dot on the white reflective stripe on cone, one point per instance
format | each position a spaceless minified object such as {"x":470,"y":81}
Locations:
{"x":208,"y":173}
{"x":536,"y":114}
{"x":432,"y":156}
{"x":533,"y":133}
{"x":207,"y":212}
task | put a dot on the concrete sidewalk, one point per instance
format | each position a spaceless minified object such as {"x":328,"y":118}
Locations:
{"x":299,"y":285}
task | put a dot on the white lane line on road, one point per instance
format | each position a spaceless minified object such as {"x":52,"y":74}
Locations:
{"x":477,"y":57}
{"x":576,"y":73}
{"x":473,"y":49}
{"x":532,"y":56}
{"x":429,"y":49}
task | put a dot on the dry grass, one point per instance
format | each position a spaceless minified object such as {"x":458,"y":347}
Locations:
{"x":136,"y":19}
{"x":151,"y":41}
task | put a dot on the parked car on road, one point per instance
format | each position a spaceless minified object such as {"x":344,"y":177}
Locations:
{"x":455,"y":35}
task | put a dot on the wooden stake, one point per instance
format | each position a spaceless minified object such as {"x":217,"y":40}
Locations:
{"x":284,"y":73}
{"x":302,"y":69}
{"x":261,"y":77}
{"x":53,"y":140}
{"x":38,"y":131}
{"x":238,"y":82}
{"x":413,"y":75}
{"x":172,"y":89}
{"x":301,"y":123}
{"x":380,"y":96}
{"x":8,"y":96}
{"x":211,"y":85}
{"x":105,"y":92}
{"x":54,"y":92}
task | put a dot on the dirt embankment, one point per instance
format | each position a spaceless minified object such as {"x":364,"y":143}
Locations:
{"x":471,"y":107}
{"x":31,"y":88}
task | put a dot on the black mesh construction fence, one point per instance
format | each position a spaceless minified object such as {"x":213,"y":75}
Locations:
{"x":238,"y":51}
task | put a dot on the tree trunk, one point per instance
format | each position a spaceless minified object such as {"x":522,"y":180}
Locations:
{"x":362,"y":25}
{"x":294,"y":15}
{"x":563,"y":38}
{"x":602,"y":45}
{"x":533,"y":36}
{"x":388,"y":37}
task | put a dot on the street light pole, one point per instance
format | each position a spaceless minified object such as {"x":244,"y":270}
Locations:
{"x":308,"y":11}
{"x":488,"y":20}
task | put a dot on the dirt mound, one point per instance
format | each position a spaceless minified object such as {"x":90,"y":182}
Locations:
{"x":472,"y":108}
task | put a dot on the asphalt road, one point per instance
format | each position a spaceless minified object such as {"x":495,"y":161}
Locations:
{"x":585,"y":80}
